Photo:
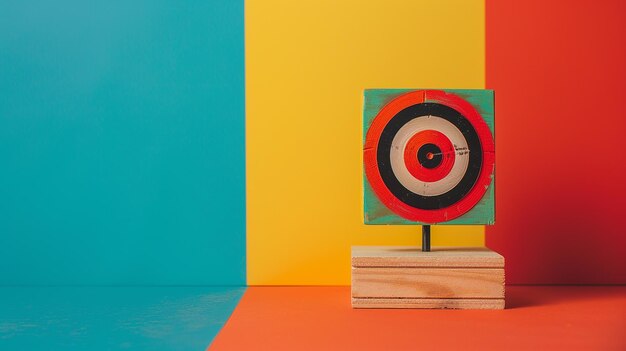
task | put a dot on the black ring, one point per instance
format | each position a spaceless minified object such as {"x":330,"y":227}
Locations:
{"x":455,"y":194}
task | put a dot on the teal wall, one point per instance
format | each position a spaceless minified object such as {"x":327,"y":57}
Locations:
{"x":122,"y":143}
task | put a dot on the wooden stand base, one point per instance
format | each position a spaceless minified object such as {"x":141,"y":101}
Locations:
{"x":406,"y":277}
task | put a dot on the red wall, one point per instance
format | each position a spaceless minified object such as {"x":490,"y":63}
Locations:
{"x":558,"y":69}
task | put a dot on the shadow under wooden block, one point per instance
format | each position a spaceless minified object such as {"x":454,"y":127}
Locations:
{"x":406,"y":277}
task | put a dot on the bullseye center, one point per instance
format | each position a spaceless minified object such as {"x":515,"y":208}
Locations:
{"x":429,"y":156}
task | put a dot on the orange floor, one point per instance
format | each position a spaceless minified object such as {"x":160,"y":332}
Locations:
{"x":320,"y":318}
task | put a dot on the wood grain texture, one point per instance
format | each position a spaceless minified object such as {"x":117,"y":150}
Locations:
{"x":428,"y":282}
{"x":412,"y":256}
{"x":464,"y":304}
{"x":406,"y":277}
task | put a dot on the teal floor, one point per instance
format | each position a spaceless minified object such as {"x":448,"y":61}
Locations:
{"x":113,"y":318}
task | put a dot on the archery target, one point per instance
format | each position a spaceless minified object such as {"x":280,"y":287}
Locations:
{"x":429,"y":156}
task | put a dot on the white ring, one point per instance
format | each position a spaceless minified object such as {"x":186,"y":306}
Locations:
{"x":400,"y":141}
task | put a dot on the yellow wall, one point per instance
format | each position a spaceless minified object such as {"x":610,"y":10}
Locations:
{"x":307,"y":63}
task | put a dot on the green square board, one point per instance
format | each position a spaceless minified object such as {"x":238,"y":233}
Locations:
{"x":375,"y":212}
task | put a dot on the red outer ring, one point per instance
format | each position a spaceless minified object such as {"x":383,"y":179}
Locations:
{"x":412,"y":163}
{"x":371,"y":165}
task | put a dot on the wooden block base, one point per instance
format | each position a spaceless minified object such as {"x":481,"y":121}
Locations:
{"x":460,"y":304}
{"x":406,"y":277}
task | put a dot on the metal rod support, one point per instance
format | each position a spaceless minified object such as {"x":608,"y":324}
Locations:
{"x":425,"y":238}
